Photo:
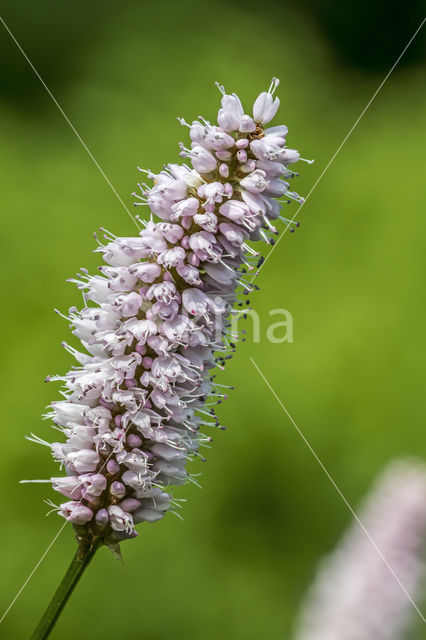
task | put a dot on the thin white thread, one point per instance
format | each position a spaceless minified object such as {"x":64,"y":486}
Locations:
{"x":267,"y":257}
{"x":69,"y":122}
{"x":33,"y":572}
{"x":364,"y":529}
{"x":66,"y":522}
{"x":351,"y":130}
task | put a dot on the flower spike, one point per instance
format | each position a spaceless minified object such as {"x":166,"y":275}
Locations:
{"x":156,"y":321}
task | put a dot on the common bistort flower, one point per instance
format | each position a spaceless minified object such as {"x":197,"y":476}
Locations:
{"x":156,"y":322}
{"x":364,"y":589}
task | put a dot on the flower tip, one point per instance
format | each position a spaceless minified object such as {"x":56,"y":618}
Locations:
{"x":221,"y":88}
{"x":275,"y":83}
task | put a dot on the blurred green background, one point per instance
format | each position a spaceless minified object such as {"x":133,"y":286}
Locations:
{"x":352,"y":277}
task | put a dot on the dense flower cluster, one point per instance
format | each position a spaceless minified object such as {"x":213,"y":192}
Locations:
{"x":358,"y":595}
{"x":157,"y":321}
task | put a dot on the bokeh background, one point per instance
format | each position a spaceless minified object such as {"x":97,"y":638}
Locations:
{"x":352,"y":277}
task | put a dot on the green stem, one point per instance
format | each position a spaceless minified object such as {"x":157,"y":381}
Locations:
{"x":78,"y":564}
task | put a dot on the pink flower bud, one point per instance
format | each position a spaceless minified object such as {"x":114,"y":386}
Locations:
{"x":130,"y":504}
{"x":202,"y":160}
{"x":102,"y":517}
{"x":118,"y":489}
{"x":242,"y":143}
{"x":76,"y":513}
{"x":224,"y":170}
{"x":112,"y":467}
{"x":133,"y":440}
{"x":247,"y":125}
{"x":265,"y":107}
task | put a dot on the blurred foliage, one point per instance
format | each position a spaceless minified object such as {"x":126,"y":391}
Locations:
{"x":352,"y":276}
{"x":370,"y":35}
{"x":364,"y":34}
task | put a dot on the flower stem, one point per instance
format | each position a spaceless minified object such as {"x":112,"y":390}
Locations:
{"x":83,"y":556}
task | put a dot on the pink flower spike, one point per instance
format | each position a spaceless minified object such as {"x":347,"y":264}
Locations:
{"x":156,"y":321}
